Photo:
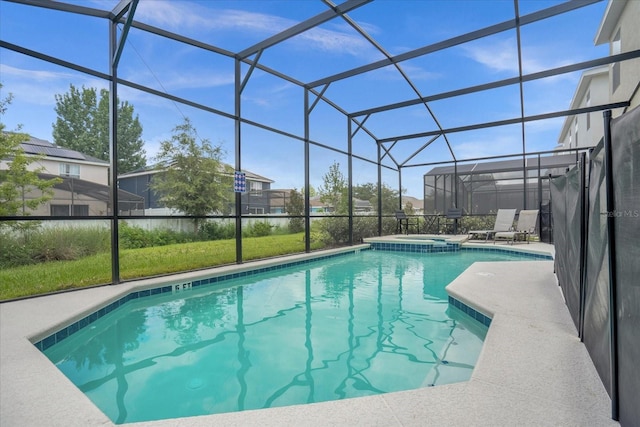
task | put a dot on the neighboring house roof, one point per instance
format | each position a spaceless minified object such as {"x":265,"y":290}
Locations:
{"x":255,"y":177}
{"x":38,"y":146}
{"x":609,"y":21}
{"x":150,"y":170}
{"x":91,"y":189}
{"x":546,"y":162}
{"x":416,"y":203}
{"x":316,"y":202}
{"x":362,"y":204}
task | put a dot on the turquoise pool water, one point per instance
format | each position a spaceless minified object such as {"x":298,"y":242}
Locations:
{"x":354,"y":325}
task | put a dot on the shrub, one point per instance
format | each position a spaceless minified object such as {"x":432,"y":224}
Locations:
{"x":335,"y":231}
{"x":132,"y":237}
{"x":30,"y":246}
{"x":258,"y":229}
{"x":13,"y":251}
{"x":213,"y":230}
{"x":296,"y":225}
{"x":477,"y":222}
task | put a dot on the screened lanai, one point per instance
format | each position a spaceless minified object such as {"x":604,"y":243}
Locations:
{"x":485,"y":187}
{"x":272,"y":128}
{"x":358,"y":101}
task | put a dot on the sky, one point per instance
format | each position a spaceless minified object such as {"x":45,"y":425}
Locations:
{"x":397,"y":26}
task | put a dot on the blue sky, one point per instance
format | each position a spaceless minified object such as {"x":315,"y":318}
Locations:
{"x":397,"y":25}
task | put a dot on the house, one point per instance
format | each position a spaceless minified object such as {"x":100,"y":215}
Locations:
{"x":586,"y":130}
{"x":416,"y":204}
{"x":255,"y":200}
{"x":611,"y":83}
{"x":620,"y":29}
{"x":279,"y":200}
{"x":83,"y":190}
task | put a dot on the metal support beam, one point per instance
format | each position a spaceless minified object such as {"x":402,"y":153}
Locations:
{"x":387,"y":152}
{"x":506,"y":82}
{"x":400,"y":191}
{"x":250,"y":71}
{"x":113,"y":154}
{"x":419,"y":150}
{"x":238,"y":160}
{"x":584,"y":229}
{"x":65,"y":7}
{"x":379,"y":152}
{"x":303,"y":26}
{"x":485,"y":125}
{"x":360,"y":125}
{"x":307,"y":175}
{"x":521,"y":90}
{"x":120,"y":10}
{"x":613,"y":277}
{"x":474,"y":35}
{"x":404,"y":75}
{"x":350,"y":180}
{"x":318,"y":98}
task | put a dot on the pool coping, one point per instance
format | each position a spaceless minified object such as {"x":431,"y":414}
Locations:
{"x":518,"y":378}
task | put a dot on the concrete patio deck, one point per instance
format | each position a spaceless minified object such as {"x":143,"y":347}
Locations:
{"x":533,"y":369}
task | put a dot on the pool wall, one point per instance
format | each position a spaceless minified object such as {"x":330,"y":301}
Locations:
{"x":473,"y":313}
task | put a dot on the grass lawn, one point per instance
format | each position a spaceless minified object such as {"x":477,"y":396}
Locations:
{"x":137,"y":263}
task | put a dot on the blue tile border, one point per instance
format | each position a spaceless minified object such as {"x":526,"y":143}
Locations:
{"x":474,"y":314}
{"x":71,"y":329}
{"x":423,"y":248}
{"x":429,"y":247}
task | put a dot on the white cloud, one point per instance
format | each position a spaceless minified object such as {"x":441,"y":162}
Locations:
{"x":492,"y":145}
{"x":182,"y":79}
{"x":177,"y":16}
{"x":37,"y":75}
{"x":39,"y":86}
{"x":174,"y":15}
{"x":502,"y":56}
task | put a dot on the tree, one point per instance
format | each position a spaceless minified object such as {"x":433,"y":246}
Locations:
{"x":193,"y":179}
{"x":296,"y":207}
{"x":408,"y":208}
{"x":369,"y":191}
{"x":312,"y":191}
{"x":19,"y":184}
{"x":334,"y":189}
{"x":83,"y":125}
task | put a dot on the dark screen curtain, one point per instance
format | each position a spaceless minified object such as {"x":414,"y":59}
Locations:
{"x":625,"y":139}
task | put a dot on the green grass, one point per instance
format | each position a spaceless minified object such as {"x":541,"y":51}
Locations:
{"x":136,"y":263}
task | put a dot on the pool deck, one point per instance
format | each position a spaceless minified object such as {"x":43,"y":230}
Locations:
{"x":533,"y":370}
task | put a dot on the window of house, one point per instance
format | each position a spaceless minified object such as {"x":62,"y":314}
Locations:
{"x":69,"y":210}
{"x":69,"y":170}
{"x":588,"y":114}
{"x":255,"y":188}
{"x":575,"y":134}
{"x":616,"y":48}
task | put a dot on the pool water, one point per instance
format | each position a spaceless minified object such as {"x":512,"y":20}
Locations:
{"x":355,"y":325}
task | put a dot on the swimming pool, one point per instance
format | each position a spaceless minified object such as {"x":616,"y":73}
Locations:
{"x":349,"y":326}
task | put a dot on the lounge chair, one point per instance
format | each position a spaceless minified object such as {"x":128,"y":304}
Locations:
{"x":504,"y":222}
{"x":527,"y":222}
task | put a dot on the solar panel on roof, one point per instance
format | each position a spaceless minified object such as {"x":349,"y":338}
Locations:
{"x":53,"y":151}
